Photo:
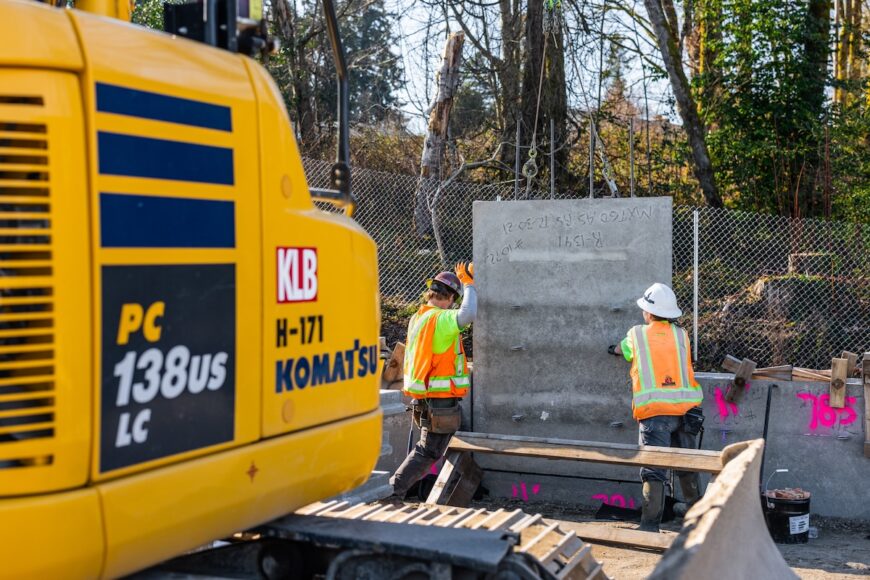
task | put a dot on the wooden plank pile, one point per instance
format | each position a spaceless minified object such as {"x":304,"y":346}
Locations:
{"x":846,"y":366}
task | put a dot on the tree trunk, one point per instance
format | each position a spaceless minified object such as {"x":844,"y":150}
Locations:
{"x":447,"y":81}
{"x":843,"y":22}
{"x":807,"y":201}
{"x":855,"y":59}
{"x":553,"y":92}
{"x":297,"y":68}
{"x":509,"y":75}
{"x":666,"y":37}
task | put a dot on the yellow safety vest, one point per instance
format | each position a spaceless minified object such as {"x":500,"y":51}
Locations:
{"x":431,"y":375}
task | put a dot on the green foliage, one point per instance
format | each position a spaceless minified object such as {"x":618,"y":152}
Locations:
{"x":305,"y":71}
{"x":149,"y":13}
{"x":777,"y":144}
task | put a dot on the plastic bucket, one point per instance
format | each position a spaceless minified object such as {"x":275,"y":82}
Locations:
{"x":788,"y":520}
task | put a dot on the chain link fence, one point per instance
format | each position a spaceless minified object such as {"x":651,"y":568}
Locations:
{"x":769,"y":288}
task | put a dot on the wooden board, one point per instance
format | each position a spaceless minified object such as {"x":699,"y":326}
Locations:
{"x":742,"y":376}
{"x":852,"y":367}
{"x":591,"y":451}
{"x":607,"y":534}
{"x":393,"y":368}
{"x":457,"y":481}
{"x":776,"y":373}
{"x":839,"y":373}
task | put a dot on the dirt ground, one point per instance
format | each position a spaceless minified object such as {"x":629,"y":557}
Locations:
{"x":841,"y":551}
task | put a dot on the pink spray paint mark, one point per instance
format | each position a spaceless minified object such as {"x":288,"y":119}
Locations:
{"x":436,"y":467}
{"x":823,"y":414}
{"x":522,"y":490}
{"x":725,"y":408}
{"x":615,"y":499}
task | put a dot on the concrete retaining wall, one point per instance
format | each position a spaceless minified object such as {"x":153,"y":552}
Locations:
{"x":821,"y":447}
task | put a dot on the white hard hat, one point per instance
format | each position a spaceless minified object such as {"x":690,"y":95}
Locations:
{"x":660,"y":301}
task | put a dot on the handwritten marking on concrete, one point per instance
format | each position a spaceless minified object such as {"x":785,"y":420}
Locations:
{"x":504,"y":252}
{"x":822,"y":414}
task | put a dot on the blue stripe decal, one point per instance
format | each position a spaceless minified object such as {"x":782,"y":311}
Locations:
{"x":146,"y":221}
{"x":134,"y":156}
{"x":147,"y":105}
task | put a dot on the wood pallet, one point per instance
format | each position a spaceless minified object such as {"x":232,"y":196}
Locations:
{"x":562,"y":553}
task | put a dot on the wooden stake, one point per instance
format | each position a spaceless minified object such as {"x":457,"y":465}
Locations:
{"x":839,"y":373}
{"x":853,"y":362}
{"x":741,"y":376}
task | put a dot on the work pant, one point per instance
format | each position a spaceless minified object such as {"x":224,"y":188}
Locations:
{"x":429,"y":449}
{"x":664,"y":431}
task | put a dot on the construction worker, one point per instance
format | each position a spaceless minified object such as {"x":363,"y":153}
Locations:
{"x":666,"y":398}
{"x":436,"y":372}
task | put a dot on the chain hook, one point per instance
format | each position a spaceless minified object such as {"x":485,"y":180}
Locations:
{"x":530,"y":167}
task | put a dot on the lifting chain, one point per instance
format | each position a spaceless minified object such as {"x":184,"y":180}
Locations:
{"x":530,"y":167}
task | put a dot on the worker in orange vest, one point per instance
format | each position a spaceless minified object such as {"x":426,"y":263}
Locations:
{"x":666,"y":398}
{"x":435,"y":369}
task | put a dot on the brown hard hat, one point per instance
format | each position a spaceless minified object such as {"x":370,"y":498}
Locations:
{"x":451,"y":281}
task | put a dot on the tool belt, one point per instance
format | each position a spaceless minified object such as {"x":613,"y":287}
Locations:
{"x":439,"y":416}
{"x":693,"y":421}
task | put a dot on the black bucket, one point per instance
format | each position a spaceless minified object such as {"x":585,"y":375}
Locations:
{"x":788,"y":520}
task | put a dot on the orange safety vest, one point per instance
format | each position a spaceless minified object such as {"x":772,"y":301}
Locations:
{"x":662,"y":380}
{"x":429,"y":375}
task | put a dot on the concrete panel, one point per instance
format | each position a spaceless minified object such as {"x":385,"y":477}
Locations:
{"x":557,"y":282}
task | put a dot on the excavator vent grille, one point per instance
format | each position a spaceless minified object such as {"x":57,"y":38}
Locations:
{"x":27,"y":365}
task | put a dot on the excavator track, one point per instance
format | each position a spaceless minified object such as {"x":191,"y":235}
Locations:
{"x":562,"y":554}
{"x":337,"y":540}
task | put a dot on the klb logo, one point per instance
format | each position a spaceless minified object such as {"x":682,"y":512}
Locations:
{"x":297,"y":274}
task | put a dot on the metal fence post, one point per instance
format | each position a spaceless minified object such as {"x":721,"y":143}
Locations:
{"x":695,"y":287}
{"x":517,"y":162}
{"x":552,"y":161}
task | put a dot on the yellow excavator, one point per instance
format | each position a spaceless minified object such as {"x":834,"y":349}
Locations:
{"x":188,"y":344}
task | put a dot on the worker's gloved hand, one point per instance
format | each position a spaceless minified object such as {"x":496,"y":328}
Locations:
{"x":465,"y":273}
{"x":614,"y":350}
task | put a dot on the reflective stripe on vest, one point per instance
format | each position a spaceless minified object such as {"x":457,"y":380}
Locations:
{"x":669,"y":396}
{"x":681,"y":340}
{"x":644,"y":361}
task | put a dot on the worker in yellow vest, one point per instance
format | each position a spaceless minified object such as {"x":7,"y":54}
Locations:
{"x":666,"y":398}
{"x":435,"y":369}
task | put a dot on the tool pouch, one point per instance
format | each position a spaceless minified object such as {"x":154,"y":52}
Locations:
{"x":693,"y":421}
{"x":420,"y":412}
{"x":445,"y":420}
